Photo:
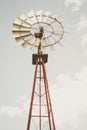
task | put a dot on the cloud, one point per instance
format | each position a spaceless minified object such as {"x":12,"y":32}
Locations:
{"x":75,"y":8}
{"x":82,"y":24}
{"x":84,"y":44}
{"x":84,"y":40}
{"x":16,"y":111}
{"x":76,"y":4}
{"x":69,"y":99}
{"x":11,"y":111}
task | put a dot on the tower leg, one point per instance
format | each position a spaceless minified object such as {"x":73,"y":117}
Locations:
{"x":32,"y":97}
{"x":48,"y":96}
{"x":40,"y":115}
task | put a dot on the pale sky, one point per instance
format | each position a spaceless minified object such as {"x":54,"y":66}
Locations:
{"x":66,"y":67}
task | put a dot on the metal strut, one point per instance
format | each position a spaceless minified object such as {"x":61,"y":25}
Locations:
{"x":40,"y":99}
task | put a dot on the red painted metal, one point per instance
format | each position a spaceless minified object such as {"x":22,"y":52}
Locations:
{"x":40,"y":100}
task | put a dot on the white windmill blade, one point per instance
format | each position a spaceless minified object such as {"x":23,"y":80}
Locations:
{"x":59,"y":43}
{"x":27,"y":18}
{"x":25,"y":45}
{"x":61,"y":20}
{"x":50,"y":20}
{"x":20,"y":33}
{"x":49,"y":44}
{"x":32,"y":16}
{"x":22,"y":22}
{"x":46,"y":15}
{"x":55,"y":36}
{"x":18,"y":27}
{"x":52,"y":48}
{"x":33,"y":48}
{"x":37,"y":41}
{"x":23,"y":16}
{"x":24,"y":38}
{"x":31,"y":13}
{"x":65,"y":39}
{"x":32,"y":40}
{"x":66,"y":32}
{"x":53,"y":16}
{"x":39,"y":16}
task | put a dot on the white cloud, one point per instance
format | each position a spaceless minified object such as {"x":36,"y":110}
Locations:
{"x":75,"y":8}
{"x":84,"y":40}
{"x":11,"y":111}
{"x":85,"y":53}
{"x":24,"y":101}
{"x":82,"y":24}
{"x":16,"y":111}
{"x":76,"y":4}
{"x":69,"y":98}
{"x":70,"y":2}
{"x":84,"y":44}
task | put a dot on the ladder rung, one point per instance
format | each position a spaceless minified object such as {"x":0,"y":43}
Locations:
{"x":39,"y":77}
{"x":39,"y":104}
{"x":38,"y":116}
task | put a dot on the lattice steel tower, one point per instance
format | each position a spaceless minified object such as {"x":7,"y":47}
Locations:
{"x":38,"y":31}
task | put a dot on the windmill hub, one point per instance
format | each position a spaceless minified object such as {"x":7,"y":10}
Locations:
{"x":39,"y":34}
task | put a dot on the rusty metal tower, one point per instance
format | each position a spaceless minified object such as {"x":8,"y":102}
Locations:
{"x":38,"y":31}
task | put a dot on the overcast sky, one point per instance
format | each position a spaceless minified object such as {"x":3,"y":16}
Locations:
{"x":66,"y":67}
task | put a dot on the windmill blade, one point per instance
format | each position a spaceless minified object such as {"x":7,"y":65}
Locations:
{"x":50,"y":19}
{"x":20,"y":33}
{"x":39,"y":16}
{"x":22,"y":22}
{"x":31,"y":13}
{"x":50,"y":44}
{"x":17,"y":27}
{"x":23,"y":17}
{"x":33,"y":48}
{"x":27,"y":18}
{"x":37,"y":41}
{"x":32,"y":40}
{"x":25,"y":45}
{"x":52,"y":48}
{"x":55,"y":36}
{"x":24,"y":38}
{"x":53,"y":16}
{"x":61,"y":20}
{"x":66,"y":32}
{"x":60,"y":44}
{"x":32,"y":16}
{"x":46,"y":15}
{"x":48,"y":41}
{"x":65,"y":39}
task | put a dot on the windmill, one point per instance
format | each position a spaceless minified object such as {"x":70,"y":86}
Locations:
{"x":39,"y":30}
